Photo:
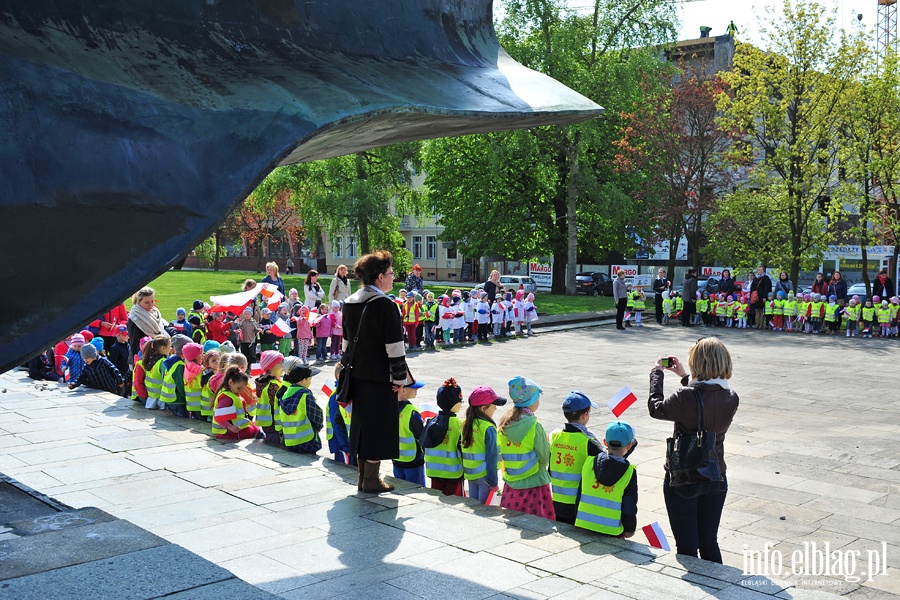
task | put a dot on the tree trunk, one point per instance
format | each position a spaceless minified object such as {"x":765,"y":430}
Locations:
{"x":259,"y":255}
{"x":558,"y":285}
{"x":217,"y":249}
{"x":362,"y":245}
{"x":571,"y":222}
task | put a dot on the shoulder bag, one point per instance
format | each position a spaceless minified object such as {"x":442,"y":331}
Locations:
{"x":342,"y":393}
{"x":691,"y":457}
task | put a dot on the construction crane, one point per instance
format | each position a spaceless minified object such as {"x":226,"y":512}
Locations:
{"x":886,"y":29}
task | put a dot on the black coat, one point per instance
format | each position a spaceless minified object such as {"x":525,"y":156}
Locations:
{"x":885,"y":290}
{"x":726,"y":286}
{"x":762,"y":285}
{"x":690,"y":289}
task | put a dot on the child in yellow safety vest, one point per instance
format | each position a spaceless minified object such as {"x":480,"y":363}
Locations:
{"x":192,"y":376}
{"x":852,"y":313}
{"x":172,"y":392}
{"x":569,"y":449}
{"x":299,"y":416}
{"x":883,"y":313}
{"x":267,"y":386}
{"x":638,"y":299}
{"x":607,"y":502}
{"x":440,"y":440}
{"x":337,"y":428}
{"x":231,"y":421}
{"x":410,"y":464}
{"x":480,"y":453}
{"x":155,"y":353}
{"x":525,"y":453}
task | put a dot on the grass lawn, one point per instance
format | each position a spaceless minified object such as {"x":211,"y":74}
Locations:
{"x":181,"y":288}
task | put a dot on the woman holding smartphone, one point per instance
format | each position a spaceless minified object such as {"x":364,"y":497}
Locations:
{"x":695,"y":510}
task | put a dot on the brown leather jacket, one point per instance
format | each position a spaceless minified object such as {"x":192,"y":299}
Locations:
{"x":719,"y":406}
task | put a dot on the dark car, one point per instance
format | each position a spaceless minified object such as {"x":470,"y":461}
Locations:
{"x":593,"y":284}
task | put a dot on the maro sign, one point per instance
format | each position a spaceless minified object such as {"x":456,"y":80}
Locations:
{"x":714,"y":271}
{"x":630,"y":270}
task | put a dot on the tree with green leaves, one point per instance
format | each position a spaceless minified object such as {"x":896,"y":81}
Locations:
{"x":364,"y":194}
{"x":790,"y":100}
{"x":555,"y":189}
{"x":871,"y":154}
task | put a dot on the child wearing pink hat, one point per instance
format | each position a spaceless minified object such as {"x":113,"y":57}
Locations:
{"x":267,"y":384}
{"x":480,"y":454}
{"x":530,"y":313}
{"x":193,"y":381}
{"x":73,"y":364}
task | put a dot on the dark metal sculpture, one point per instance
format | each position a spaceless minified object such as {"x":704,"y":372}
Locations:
{"x":131,"y":129}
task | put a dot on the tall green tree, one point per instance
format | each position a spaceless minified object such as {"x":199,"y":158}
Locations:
{"x":561,"y":183}
{"x":364,"y":194}
{"x":790,"y":100}
{"x":871,"y":154}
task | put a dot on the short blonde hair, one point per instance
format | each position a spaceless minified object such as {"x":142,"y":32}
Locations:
{"x":709,"y":359}
{"x":273,"y":265}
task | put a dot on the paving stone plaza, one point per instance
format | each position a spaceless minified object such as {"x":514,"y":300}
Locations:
{"x":812,"y":458}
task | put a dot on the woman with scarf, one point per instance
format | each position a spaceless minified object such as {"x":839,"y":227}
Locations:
{"x":883,"y":285}
{"x":340,"y":285}
{"x":144,"y":319}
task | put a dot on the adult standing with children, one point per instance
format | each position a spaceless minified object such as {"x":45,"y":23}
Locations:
{"x":660,"y":285}
{"x":759,"y":291}
{"x":376,"y":368}
{"x":144,"y":319}
{"x":274,"y":278}
{"x":492,"y":286}
{"x":312,"y":291}
{"x":340,"y":286}
{"x":689,"y":296}
{"x":883,"y":286}
{"x":620,"y":295}
{"x":783,"y":284}
{"x":695,"y":506}
{"x":726,"y":283}
{"x":414,"y":282}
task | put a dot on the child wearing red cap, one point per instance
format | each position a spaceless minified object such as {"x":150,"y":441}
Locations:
{"x":120,"y":356}
{"x":480,"y":454}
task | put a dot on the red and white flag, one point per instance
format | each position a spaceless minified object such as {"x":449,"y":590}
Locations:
{"x":234,"y":303}
{"x":327,"y":390}
{"x":428,"y":410}
{"x":656,"y":537}
{"x":280,"y":328}
{"x":267,"y":290}
{"x":274,"y":301}
{"x":627,"y":315}
{"x":621,"y":401}
{"x":256,"y":370}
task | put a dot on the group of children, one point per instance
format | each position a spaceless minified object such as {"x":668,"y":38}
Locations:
{"x":806,"y":313}
{"x":569,"y":476}
{"x":463,"y":316}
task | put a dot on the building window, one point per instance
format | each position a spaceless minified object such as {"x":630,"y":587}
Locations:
{"x":337,"y":247}
{"x":451,"y":253}
{"x":430,"y":247}
{"x":351,"y":247}
{"x":417,"y":247}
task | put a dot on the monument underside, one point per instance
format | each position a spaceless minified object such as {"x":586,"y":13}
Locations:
{"x":132,"y":129}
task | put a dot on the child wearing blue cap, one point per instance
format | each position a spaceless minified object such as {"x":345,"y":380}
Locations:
{"x":525,"y":452}
{"x":570,"y":447}
{"x":607,"y":500}
{"x":337,"y":428}
{"x":410,"y":464}
{"x":180,"y":324}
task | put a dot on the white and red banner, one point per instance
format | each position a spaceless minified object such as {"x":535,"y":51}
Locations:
{"x":621,"y":401}
{"x":235,"y":303}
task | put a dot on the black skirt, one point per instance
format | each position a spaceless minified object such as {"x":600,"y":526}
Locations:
{"x":375,"y":427}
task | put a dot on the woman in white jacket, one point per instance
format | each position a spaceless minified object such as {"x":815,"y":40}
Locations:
{"x":312,"y":291}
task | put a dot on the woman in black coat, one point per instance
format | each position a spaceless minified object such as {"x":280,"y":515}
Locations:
{"x":726,"y":284}
{"x":377,"y":368}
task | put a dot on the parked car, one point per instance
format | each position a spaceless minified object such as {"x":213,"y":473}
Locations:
{"x":857,"y":289}
{"x":511,"y":283}
{"x":593,"y":284}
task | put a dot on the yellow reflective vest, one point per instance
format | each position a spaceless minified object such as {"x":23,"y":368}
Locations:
{"x":445,"y":459}
{"x":408,"y":442}
{"x":296,"y":428}
{"x":520,"y":461}
{"x":600,"y":506}
{"x":234,"y":413}
{"x":568,"y":451}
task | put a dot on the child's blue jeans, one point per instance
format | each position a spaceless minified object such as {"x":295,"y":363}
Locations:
{"x":429,"y":334}
{"x":413,"y":475}
{"x":321,"y":348}
{"x":479,"y":490}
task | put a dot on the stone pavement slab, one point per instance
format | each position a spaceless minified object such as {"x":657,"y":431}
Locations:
{"x":807,"y":463}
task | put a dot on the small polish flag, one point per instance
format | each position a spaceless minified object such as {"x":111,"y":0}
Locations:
{"x":281,"y":328}
{"x":327,"y":390}
{"x":428,"y":410}
{"x":492,"y":499}
{"x":256,"y":370}
{"x":274,"y":302}
{"x":627,"y":316}
{"x":621,"y":401}
{"x":656,"y":537}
